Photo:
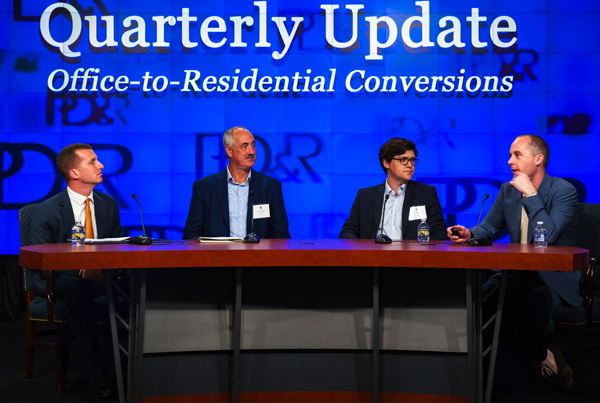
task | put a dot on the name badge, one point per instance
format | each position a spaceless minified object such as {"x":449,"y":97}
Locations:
{"x":261,"y":211}
{"x":417,"y":213}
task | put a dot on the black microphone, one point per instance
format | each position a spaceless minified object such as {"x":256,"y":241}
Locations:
{"x":383,"y":238}
{"x":480,"y":241}
{"x":141,"y":239}
{"x":252,"y":237}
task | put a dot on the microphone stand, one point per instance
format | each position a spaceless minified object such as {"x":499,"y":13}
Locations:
{"x":141,"y":239}
{"x":480,"y":241}
{"x":252,"y":237}
{"x":383,"y":238}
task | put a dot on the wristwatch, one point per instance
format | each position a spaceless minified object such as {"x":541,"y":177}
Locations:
{"x":533,"y":194}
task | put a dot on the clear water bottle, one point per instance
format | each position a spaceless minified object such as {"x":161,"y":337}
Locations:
{"x":78,"y":236}
{"x":540,"y":236}
{"x":423,"y":231}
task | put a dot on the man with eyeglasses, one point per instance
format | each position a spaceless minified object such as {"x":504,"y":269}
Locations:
{"x":398,"y":158}
{"x":533,"y":296}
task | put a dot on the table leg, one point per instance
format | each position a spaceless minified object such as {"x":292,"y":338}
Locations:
{"x":131,"y":347}
{"x":474,"y":339}
{"x":375,"y":334}
{"x":114,"y":335}
{"x":494,"y":351}
{"x":138,"y":352}
{"x":479,"y":331}
{"x":237,"y":337}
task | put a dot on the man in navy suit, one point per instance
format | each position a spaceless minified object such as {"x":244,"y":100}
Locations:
{"x":52,"y":223}
{"x":222,"y":203}
{"x":398,"y":158}
{"x":533,"y":296}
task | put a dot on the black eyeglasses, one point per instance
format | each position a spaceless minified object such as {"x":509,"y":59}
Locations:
{"x":405,"y":161}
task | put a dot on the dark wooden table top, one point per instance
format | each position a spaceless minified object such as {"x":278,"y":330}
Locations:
{"x":297,"y":252}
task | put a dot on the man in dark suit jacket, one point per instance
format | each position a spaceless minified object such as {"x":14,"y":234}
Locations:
{"x":52,"y":223}
{"x":398,"y":160}
{"x":532,"y":297}
{"x":222,"y":203}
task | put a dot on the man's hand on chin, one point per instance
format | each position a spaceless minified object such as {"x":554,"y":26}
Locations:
{"x":523,"y":184}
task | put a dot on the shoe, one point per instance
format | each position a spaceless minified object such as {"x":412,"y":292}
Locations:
{"x":543,"y":372}
{"x":100,"y":387}
{"x":565,"y":377}
{"x":549,"y":369}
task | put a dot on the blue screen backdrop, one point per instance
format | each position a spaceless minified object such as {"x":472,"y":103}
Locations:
{"x":319,"y":94}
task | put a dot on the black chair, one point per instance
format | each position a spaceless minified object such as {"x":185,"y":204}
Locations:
{"x":39,"y":309}
{"x":587,"y":316}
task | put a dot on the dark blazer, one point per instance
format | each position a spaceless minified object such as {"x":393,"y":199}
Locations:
{"x":555,"y":205}
{"x":365,"y":215}
{"x":209,"y":208}
{"x":53,"y":221}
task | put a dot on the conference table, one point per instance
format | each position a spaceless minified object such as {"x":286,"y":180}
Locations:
{"x":321,"y":253}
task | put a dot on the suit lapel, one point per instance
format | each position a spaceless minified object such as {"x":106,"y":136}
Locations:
{"x":530,"y":227}
{"x":223,"y":197}
{"x":409,"y":196}
{"x":543,"y":191}
{"x":66,"y":211}
{"x":516,"y":211}
{"x":254,"y":187}
{"x":377,"y":208}
{"x":101,"y":215}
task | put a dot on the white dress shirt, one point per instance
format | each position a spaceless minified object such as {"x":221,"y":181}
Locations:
{"x":392,"y":226}
{"x":78,"y":205}
{"x":237,"y":194}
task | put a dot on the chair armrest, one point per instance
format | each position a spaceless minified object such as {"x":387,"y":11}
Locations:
{"x":50,"y":295}
{"x":588,"y":292}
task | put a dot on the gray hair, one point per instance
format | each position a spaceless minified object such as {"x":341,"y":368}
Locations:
{"x":228,"y":135}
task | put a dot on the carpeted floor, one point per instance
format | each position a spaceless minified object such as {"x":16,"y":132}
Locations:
{"x":42,"y":388}
{"x":514,"y":382}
